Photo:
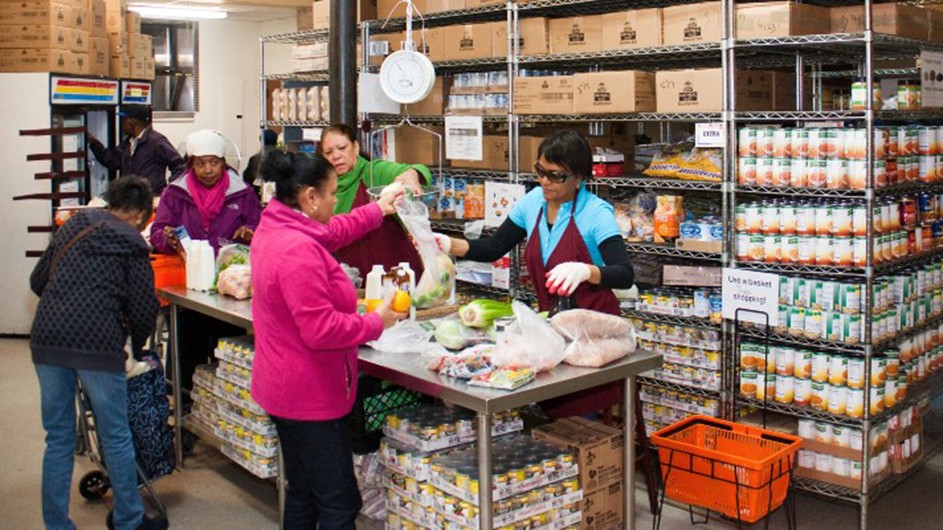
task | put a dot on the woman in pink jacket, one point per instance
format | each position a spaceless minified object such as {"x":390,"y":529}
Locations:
{"x":307,"y":332}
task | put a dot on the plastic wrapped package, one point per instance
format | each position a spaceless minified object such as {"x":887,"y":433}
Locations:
{"x":235,"y":281}
{"x":325,"y":104}
{"x":623,"y":219}
{"x":703,"y":164}
{"x":530,"y":342}
{"x":314,"y":104}
{"x":666,"y":163}
{"x":640,"y":213}
{"x":277,"y":104}
{"x":283,"y":105}
{"x":596,"y":339}
{"x":437,"y":283}
{"x":301,"y":98}
{"x":406,"y":336}
{"x":292,"y":104}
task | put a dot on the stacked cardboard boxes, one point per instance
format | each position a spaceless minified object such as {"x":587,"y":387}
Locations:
{"x":98,"y":50}
{"x":45,"y":36}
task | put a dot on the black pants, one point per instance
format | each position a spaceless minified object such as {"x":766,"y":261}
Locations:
{"x":319,"y":465}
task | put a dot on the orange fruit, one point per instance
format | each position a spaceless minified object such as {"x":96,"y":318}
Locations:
{"x":401,"y":301}
{"x":372,"y":305}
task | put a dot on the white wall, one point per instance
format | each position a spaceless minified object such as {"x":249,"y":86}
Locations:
{"x":229,"y":82}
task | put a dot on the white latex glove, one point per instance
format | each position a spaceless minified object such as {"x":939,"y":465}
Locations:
{"x":393,"y":189}
{"x":565,"y":277}
{"x":444,"y":242}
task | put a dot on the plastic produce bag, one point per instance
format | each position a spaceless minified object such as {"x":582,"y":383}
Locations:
{"x":235,"y":281}
{"x":406,"y":336}
{"x":530,"y":342}
{"x":232,"y":254}
{"x":596,"y":339}
{"x":437,"y":283}
{"x":451,"y":333}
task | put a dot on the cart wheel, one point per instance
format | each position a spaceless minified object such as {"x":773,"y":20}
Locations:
{"x":94,"y":485}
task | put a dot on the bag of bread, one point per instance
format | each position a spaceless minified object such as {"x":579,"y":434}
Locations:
{"x":668,"y":215}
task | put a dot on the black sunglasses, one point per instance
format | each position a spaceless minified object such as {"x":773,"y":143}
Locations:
{"x":552,"y":176}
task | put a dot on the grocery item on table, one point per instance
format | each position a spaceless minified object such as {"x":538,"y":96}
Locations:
{"x":437,"y":283}
{"x":235,"y":281}
{"x":596,"y":339}
{"x":482,"y":313}
{"x":530,"y":342}
{"x":454,"y":335}
{"x":469,"y":363}
{"x":504,"y":378}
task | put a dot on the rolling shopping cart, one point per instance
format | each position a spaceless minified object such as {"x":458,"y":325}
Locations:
{"x":740,"y":471}
{"x":148,"y":413}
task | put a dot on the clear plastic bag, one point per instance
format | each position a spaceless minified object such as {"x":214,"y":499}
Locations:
{"x":451,"y":333}
{"x":596,"y":339}
{"x":235,"y":281}
{"x":530,"y":342}
{"x":437,"y":283}
{"x":406,"y":336}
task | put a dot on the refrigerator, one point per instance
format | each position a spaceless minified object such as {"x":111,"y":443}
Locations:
{"x":49,"y":166}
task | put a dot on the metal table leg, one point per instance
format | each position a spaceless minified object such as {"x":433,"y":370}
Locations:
{"x":484,"y":471}
{"x":281,"y":482}
{"x":177,"y":392}
{"x":629,"y":456}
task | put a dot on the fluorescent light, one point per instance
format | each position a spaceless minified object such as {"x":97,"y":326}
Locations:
{"x":178,"y":13}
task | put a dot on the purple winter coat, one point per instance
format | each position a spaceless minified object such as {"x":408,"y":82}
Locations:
{"x":240,"y":208}
{"x":153,"y":158}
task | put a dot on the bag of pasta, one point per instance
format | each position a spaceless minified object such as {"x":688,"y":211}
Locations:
{"x":702,"y":164}
{"x":666,"y":163}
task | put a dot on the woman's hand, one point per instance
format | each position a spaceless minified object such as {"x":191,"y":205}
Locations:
{"x":174,"y":242}
{"x":386,"y":312}
{"x":389,"y":199}
{"x":444,"y":242}
{"x":244,"y":233}
{"x":566,"y":277}
{"x":411,"y":180}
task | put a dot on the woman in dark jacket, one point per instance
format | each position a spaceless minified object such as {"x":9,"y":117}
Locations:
{"x":96,"y":289}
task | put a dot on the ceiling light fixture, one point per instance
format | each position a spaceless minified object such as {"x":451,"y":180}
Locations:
{"x":169,"y":12}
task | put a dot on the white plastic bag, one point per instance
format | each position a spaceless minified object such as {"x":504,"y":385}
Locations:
{"x":596,"y":339}
{"x":406,"y":336}
{"x":437,"y":283}
{"x":530,"y":342}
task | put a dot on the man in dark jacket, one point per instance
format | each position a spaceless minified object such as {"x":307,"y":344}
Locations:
{"x":144,"y":151}
{"x":250,"y":175}
{"x":96,"y":289}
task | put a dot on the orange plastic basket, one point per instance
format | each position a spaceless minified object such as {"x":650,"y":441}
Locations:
{"x":738,"y":470}
{"x":168,"y":271}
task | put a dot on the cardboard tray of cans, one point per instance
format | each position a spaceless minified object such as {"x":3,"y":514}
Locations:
{"x":258,"y":466}
{"x":226,"y":390}
{"x":230,"y":357}
{"x":465,"y":514}
{"x":686,"y":341}
{"x":406,"y":508}
{"x":421,"y":493}
{"x":433,"y":428}
{"x":258,"y":424}
{"x":685,"y":375}
{"x":235,"y":374}
{"x":405,"y":460}
{"x":264,"y":446}
{"x":237,"y":350}
{"x":693,"y":357}
{"x":683,"y":401}
{"x":520,"y":464}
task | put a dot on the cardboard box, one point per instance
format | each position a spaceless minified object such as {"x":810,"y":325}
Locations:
{"x":63,"y":14}
{"x":892,"y":19}
{"x":534,"y":38}
{"x":304,"y":19}
{"x":688,"y":24}
{"x":306,"y":51}
{"x":469,"y":4}
{"x":469,"y":41}
{"x":843,"y":452}
{"x":780,"y":19}
{"x":311,"y":64}
{"x":527,"y":149}
{"x":598,"y":448}
{"x":543,"y":95}
{"x":385,"y":8}
{"x":614,"y":92}
{"x":689,"y":90}
{"x":415,"y":146}
{"x":603,"y":508}
{"x":430,"y":42}
{"x":575,"y":34}
{"x":494,"y":155}
{"x":99,"y":56}
{"x":435,"y":102}
{"x":934,"y":25}
{"x":713,"y":247}
{"x":115,"y":21}
{"x":635,"y":28}
{"x":437,"y":6}
{"x":784,"y":92}
{"x":149,"y":68}
{"x":754,"y":90}
{"x":140,"y":45}
{"x":366,"y":10}
{"x":43,"y":60}
{"x":40,"y":36}
{"x":120,"y":65}
{"x":138,"y":67}
{"x":699,"y":276}
{"x":132,"y":22}
{"x":118,"y":43}
{"x":98,"y":15}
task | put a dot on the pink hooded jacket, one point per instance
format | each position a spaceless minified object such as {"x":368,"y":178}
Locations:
{"x":304,"y":313}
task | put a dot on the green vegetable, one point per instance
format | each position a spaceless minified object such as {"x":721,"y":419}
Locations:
{"x":450,"y":334}
{"x":482,"y":313}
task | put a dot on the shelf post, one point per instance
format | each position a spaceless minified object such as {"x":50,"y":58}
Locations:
{"x":343,"y":62}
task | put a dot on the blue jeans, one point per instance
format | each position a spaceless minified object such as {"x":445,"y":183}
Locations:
{"x":319,"y":465}
{"x":108,"y":393}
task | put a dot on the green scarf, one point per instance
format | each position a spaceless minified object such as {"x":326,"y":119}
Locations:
{"x":347,"y":186}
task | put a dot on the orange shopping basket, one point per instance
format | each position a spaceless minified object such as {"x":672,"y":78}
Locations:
{"x":740,"y":471}
{"x":168,"y":271}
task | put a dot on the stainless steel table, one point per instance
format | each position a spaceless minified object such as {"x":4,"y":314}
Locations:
{"x":408,"y":371}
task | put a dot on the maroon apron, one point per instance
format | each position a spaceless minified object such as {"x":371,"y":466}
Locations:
{"x":572,"y":247}
{"x":388,"y":245}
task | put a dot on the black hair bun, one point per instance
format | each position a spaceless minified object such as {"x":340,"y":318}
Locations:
{"x":277,"y":165}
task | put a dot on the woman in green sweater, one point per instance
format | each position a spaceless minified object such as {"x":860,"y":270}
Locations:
{"x":389,"y":245}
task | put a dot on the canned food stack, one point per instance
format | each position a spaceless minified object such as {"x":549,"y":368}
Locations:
{"x":818,"y":309}
{"x":834,"y":233}
{"x":479,"y":93}
{"x":249,"y":434}
{"x":700,"y":302}
{"x":835,"y":158}
{"x":832,"y":453}
{"x":662,"y":407}
{"x":821,"y":381}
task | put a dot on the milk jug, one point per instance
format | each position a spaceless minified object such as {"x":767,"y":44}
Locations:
{"x":201,"y":266}
{"x":374,"y":287}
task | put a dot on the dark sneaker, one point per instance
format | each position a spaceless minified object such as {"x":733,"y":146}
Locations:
{"x":153,"y":523}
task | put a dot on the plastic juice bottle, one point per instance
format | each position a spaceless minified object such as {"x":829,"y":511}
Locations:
{"x":374,"y":287}
{"x":404,"y":266}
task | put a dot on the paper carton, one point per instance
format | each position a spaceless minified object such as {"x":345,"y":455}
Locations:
{"x":140,"y":45}
{"x":614,"y":92}
{"x":416,"y":146}
{"x":892,"y":19}
{"x":754,"y":90}
{"x":430,"y":42}
{"x":689,"y":90}
{"x":437,"y":6}
{"x":780,"y":19}
{"x":494,"y":154}
{"x":37,"y":36}
{"x":699,"y":276}
{"x":598,"y":449}
{"x":64,"y":14}
{"x":635,"y":28}
{"x":385,"y":8}
{"x":534,"y":38}
{"x":366,"y":10}
{"x":120,"y":65}
{"x":97,"y":22}
{"x":690,"y":24}
{"x":138,"y":67}
{"x":543,"y":95}
{"x":99,"y":56}
{"x":469,"y":41}
{"x":435,"y":102}
{"x":304,"y":19}
{"x":575,"y":34}
{"x":42,"y":60}
{"x":603,"y":508}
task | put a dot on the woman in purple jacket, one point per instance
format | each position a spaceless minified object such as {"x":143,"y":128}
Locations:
{"x":211,"y":201}
{"x":304,"y":310}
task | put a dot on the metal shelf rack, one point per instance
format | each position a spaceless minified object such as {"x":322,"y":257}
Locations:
{"x":694,"y":322}
{"x":660,"y":57}
{"x":654,"y":249}
{"x":693,"y":390}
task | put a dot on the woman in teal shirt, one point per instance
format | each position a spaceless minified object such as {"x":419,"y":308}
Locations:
{"x":389,"y":245}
